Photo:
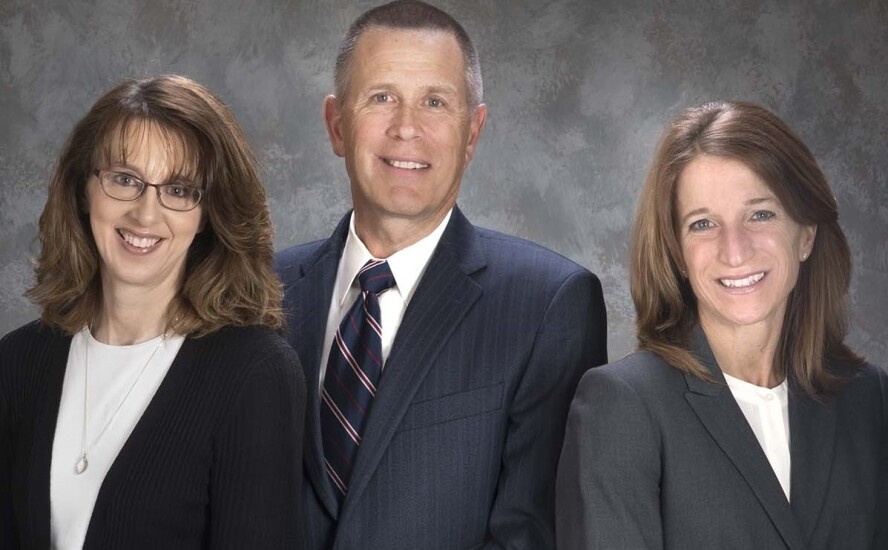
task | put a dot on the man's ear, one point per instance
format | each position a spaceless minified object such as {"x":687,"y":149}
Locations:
{"x":333,"y":121}
{"x":476,"y":124}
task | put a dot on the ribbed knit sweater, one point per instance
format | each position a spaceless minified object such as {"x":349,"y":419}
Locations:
{"x":215,"y":462}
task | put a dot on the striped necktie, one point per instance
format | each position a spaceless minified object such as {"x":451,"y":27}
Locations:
{"x":353,"y":372}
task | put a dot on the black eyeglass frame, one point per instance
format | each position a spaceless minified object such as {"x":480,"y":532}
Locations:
{"x":196,"y":191}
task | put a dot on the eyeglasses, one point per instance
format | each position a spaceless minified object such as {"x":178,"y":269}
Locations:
{"x":127,"y":187}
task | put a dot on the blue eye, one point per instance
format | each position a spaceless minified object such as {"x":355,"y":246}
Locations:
{"x":381,"y":97}
{"x":761,"y":215}
{"x":700,"y":225}
{"x":435,"y":102}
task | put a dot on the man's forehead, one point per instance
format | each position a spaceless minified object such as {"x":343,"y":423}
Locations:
{"x":417,"y":41}
{"x":382,"y":52}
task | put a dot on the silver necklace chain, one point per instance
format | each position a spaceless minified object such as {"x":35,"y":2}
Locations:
{"x":83,"y":462}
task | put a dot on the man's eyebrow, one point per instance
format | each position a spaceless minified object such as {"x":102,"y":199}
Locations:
{"x":442,"y":89}
{"x":430,"y":89}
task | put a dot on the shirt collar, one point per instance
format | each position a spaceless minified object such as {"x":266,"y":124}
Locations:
{"x":407,"y":264}
{"x":750,"y":391}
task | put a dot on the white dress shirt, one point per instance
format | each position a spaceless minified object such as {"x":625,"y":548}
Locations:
{"x":407,"y":265}
{"x":767,"y":411}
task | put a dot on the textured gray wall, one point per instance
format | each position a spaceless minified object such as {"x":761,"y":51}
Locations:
{"x":578,"y":93}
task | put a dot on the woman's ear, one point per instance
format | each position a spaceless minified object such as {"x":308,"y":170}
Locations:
{"x":83,"y":200}
{"x":809,"y":234}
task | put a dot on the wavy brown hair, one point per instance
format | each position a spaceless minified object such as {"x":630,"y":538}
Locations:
{"x":228,"y":277}
{"x":815,"y":322}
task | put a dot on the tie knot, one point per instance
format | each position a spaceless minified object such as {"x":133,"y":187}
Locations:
{"x":376,"y":277}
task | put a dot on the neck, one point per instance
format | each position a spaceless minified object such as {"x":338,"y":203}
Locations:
{"x":385,"y":237}
{"x":746,"y":353}
{"x":130,"y":316}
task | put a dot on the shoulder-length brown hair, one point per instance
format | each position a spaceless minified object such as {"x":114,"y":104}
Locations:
{"x":228,"y":277}
{"x":815,"y":322}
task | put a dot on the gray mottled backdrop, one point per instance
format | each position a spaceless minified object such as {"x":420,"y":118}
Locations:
{"x":578,"y":93}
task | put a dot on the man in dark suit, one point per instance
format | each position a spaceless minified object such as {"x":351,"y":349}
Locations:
{"x":440,"y":357}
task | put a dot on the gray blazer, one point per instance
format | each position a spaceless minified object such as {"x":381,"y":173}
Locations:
{"x":655,"y":458}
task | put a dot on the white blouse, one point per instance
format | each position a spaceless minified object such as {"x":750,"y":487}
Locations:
{"x":122,"y":381}
{"x":767,"y":411}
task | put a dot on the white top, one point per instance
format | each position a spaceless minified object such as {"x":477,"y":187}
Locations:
{"x":767,"y":411}
{"x":407,"y":265}
{"x":113,"y":370}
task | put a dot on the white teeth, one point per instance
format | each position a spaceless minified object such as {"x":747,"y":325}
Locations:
{"x":740,"y":283}
{"x":407,"y":164}
{"x":139,"y":242}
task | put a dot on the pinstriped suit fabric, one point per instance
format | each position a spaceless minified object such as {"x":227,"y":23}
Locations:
{"x":461,"y":444}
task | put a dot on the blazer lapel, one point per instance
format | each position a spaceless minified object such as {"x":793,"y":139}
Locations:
{"x":444,"y":296}
{"x":308,"y":297}
{"x":812,"y":430}
{"x":719,"y":413}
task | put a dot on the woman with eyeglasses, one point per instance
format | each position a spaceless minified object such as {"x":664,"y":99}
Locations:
{"x":153,"y":405}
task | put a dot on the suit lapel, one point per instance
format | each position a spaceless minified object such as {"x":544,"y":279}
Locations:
{"x":308,"y":302}
{"x":812,"y":430}
{"x":444,"y":296}
{"x":719,"y":413}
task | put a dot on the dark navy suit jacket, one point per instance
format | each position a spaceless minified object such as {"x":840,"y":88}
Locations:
{"x":655,"y":458}
{"x":463,"y":438}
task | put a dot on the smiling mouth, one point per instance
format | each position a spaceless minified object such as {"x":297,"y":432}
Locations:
{"x":744,"y":282}
{"x":142,"y":243}
{"x":407,"y":164}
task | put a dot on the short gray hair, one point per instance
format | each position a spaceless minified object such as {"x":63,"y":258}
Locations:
{"x":410,"y":15}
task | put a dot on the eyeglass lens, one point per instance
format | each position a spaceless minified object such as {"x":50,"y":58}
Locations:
{"x":126,"y":187}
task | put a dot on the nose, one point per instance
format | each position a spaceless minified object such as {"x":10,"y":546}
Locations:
{"x":147,"y":208}
{"x":404,"y":124}
{"x":735,"y":247}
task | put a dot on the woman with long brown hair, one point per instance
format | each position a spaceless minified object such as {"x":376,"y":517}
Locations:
{"x":743,"y":421}
{"x":153,"y":405}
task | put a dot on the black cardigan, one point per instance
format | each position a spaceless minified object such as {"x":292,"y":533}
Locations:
{"x":215,"y":461}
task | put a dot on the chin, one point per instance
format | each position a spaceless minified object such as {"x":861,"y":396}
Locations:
{"x":404,"y":209}
{"x":745,"y":319}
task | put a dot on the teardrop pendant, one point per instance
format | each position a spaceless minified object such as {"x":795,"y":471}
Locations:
{"x":81,"y":465}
